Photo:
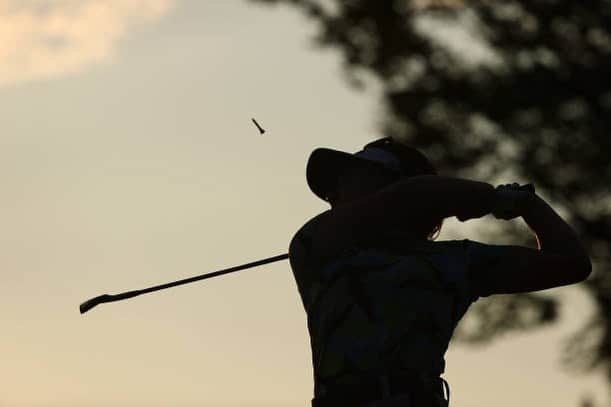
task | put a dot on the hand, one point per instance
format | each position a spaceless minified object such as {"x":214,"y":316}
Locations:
{"x":512,"y":199}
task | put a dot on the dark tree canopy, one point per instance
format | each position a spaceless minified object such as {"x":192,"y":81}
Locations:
{"x":536,"y":109}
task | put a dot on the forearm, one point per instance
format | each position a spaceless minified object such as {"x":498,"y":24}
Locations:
{"x":552,"y":232}
{"x":451,"y":196}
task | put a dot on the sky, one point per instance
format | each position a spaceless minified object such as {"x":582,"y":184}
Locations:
{"x":128,"y":159}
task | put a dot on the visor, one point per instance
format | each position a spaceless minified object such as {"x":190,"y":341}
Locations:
{"x":384,"y":157}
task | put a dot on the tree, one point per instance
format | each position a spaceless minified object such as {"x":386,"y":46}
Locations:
{"x":538,"y":105}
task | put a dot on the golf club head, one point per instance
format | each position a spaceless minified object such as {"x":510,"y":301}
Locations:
{"x":87,"y":305}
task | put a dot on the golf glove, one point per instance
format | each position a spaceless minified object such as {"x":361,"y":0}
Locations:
{"x":510,"y":200}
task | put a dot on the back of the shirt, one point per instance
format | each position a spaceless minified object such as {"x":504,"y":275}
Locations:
{"x":384,"y":309}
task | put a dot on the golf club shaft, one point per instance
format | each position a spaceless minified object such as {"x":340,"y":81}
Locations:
{"x":87,"y":305}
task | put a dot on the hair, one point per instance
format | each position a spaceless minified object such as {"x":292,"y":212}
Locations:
{"x":436,"y":230}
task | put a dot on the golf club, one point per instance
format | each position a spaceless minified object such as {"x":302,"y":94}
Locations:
{"x":89,"y":304}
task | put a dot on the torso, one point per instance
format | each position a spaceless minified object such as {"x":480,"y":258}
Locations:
{"x":361,"y":294}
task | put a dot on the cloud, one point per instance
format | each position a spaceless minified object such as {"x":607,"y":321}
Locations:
{"x":47,"y":38}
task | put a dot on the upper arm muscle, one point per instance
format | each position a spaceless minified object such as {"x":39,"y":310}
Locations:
{"x":497,"y":269}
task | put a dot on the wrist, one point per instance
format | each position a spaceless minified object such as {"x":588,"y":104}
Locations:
{"x":528,"y":204}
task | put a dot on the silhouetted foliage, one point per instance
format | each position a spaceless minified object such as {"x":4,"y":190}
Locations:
{"x":533,"y":104}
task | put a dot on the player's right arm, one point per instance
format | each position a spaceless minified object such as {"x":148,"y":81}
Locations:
{"x":560,"y":259}
{"x":509,"y":269}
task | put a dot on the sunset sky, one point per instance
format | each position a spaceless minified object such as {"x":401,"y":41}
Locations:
{"x":128,"y":159}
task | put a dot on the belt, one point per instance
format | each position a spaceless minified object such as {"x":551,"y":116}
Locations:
{"x":421,"y":392}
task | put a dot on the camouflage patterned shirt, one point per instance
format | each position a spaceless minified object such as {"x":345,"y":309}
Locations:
{"x":371,"y":311}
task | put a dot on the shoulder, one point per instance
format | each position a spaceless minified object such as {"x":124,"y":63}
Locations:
{"x":486,"y":264}
{"x":319,"y":241}
{"x":302,"y":247}
{"x":456,"y":260}
{"x":302,"y":239}
{"x":481,"y":256}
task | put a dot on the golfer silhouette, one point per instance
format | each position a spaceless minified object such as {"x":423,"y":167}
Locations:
{"x":382,"y":297}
